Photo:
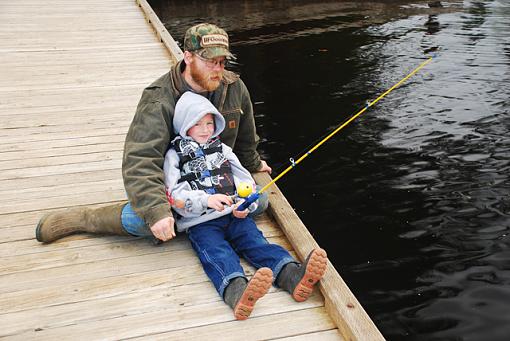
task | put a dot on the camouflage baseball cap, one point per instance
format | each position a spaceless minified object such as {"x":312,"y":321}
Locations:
{"x":208,"y":41}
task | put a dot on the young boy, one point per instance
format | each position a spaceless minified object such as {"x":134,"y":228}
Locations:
{"x":201,"y":175}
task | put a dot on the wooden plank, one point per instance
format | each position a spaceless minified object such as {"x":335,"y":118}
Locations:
{"x":49,"y":107}
{"x":73,"y":70}
{"x":59,"y":169}
{"x":90,"y":192}
{"x":343,"y":307}
{"x":72,"y":133}
{"x":75,"y":273}
{"x":24,"y":43}
{"x":106,"y":55}
{"x":67,"y":256}
{"x":83,"y":49}
{"x":73,"y":98}
{"x":123,"y":303}
{"x":16,"y":233}
{"x":59,"y":71}
{"x":46,"y":63}
{"x":60,"y":3}
{"x":20,"y":219}
{"x":264,"y":327}
{"x":59,"y":257}
{"x":62,"y":202}
{"x":29,"y":195}
{"x":84,"y":81}
{"x":88,"y":290}
{"x":328,"y":335}
{"x":30,"y":183}
{"x":59,"y":151}
{"x":49,"y":181}
{"x":84,"y":24}
{"x":66,"y":120}
{"x":126,"y":295}
{"x":26,"y":232}
{"x":62,"y":143}
{"x":42,"y":16}
{"x":163,"y":314}
{"x":52,"y":122}
{"x":92,"y":74}
{"x":46,"y":113}
{"x":30,"y":246}
{"x":23,"y":9}
{"x":61,"y":160}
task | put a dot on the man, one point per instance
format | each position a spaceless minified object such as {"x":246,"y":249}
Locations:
{"x":148,"y":213}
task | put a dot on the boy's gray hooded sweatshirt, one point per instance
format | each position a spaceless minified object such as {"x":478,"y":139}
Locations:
{"x":190,"y":108}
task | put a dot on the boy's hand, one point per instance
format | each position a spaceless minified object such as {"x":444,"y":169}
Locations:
{"x":217,"y":201}
{"x":164,"y":229}
{"x":240,"y":214}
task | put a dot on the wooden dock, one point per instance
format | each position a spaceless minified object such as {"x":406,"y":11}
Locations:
{"x":71,"y":74}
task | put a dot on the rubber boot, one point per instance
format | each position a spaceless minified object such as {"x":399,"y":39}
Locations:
{"x":241,"y":295}
{"x":102,"y":220}
{"x":299,"y":279}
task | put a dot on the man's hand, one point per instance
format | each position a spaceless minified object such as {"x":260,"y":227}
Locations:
{"x":264,"y":167}
{"x":240,"y":214}
{"x":217,"y":201}
{"x":164,"y":229}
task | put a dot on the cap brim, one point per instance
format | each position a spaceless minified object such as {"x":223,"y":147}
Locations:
{"x":214,"y":52}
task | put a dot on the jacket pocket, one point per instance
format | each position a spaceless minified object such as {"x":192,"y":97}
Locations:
{"x":232,"y":118}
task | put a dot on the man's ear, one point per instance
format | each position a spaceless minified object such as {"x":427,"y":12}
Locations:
{"x":187,"y":57}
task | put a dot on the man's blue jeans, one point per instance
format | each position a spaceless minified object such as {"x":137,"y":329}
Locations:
{"x":135,"y":225}
{"x":219,"y":243}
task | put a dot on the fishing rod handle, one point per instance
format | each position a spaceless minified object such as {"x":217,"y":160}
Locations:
{"x":248,"y":201}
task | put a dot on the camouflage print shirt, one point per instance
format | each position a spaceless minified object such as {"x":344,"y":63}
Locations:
{"x":151,"y":132}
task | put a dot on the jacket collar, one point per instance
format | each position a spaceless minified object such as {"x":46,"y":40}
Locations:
{"x":179,"y":83}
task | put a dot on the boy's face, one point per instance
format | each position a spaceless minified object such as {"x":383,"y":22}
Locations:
{"x":202,"y":131}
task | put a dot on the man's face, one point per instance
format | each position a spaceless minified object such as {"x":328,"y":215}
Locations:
{"x":207,"y":73}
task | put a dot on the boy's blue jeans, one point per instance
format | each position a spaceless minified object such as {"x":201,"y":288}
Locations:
{"x":219,"y":243}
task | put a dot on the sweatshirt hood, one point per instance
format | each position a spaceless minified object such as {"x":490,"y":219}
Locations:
{"x":190,"y":108}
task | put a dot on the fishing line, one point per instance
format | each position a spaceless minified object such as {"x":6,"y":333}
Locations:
{"x":293,"y":163}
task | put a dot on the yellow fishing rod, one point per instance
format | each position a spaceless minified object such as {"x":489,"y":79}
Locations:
{"x":253,"y":197}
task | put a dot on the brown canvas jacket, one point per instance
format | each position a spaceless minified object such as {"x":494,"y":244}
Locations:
{"x":151,"y":132}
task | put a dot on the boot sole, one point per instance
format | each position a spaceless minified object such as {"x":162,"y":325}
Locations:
{"x":38,"y":235}
{"x":315,"y":269}
{"x":257,"y":287}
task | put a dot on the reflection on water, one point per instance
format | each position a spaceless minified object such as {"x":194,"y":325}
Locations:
{"x":412,"y":200}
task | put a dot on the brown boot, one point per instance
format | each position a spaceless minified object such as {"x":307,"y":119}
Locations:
{"x":102,"y":220}
{"x":299,"y":279}
{"x":242,"y":296}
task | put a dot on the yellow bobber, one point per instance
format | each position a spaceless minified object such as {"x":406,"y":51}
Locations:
{"x":244,"y":189}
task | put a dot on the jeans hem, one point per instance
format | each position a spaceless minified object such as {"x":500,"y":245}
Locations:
{"x":226,"y":280}
{"x":133,"y":224}
{"x":279,"y":267}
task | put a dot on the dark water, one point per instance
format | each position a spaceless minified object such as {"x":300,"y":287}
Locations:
{"x":411,"y":201}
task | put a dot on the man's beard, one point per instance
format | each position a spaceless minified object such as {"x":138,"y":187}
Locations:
{"x":203,"y":79}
